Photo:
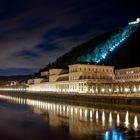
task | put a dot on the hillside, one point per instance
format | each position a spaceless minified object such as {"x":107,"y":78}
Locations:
{"x":71,"y":56}
{"x":125,"y":55}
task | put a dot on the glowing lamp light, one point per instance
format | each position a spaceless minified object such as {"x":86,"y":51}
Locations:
{"x":110,"y":90}
{"x":126,"y":89}
{"x":103,"y":90}
{"x":134,"y":89}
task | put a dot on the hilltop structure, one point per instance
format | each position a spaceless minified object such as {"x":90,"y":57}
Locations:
{"x":135,"y":22}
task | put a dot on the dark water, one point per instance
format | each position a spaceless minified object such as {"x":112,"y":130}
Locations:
{"x":30,"y":119}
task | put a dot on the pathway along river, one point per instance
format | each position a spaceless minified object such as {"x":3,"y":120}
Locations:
{"x":32,"y":119}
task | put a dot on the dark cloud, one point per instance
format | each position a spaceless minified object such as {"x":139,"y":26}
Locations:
{"x":17,"y":71}
{"x":27,"y":54}
{"x":47,"y":47}
{"x":34,"y":33}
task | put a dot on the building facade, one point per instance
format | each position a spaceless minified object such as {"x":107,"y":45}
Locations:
{"x":78,"y":78}
{"x":87,"y":78}
{"x":129,"y":74}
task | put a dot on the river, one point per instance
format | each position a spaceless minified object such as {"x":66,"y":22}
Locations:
{"x":32,"y":119}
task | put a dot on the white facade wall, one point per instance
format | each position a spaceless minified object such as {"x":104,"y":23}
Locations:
{"x":79,"y":77}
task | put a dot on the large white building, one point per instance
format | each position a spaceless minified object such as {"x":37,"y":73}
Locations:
{"x":78,"y":78}
{"x":87,"y":78}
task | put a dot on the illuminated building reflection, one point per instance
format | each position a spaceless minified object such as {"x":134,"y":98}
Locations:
{"x":110,"y":118}
{"x":135,"y":122}
{"x":127,"y":119}
{"x":81,"y":120}
{"x":103,"y":118}
{"x":118,"y":119}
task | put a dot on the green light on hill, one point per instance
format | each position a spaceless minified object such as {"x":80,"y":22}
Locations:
{"x":102,"y":50}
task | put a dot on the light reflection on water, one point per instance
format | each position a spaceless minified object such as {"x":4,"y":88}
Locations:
{"x":85,"y":121}
{"x":113,"y":135}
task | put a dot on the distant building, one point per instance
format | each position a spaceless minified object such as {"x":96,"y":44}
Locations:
{"x":135,"y":22}
{"x":129,"y":74}
{"x":30,"y":81}
{"x":44,"y":74}
{"x":58,"y":75}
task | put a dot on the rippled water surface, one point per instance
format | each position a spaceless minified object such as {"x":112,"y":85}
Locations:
{"x":32,"y":119}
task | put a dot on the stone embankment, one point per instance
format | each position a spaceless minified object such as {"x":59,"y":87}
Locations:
{"x":124,"y":99}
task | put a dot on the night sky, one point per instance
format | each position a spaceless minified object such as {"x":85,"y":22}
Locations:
{"x":36,"y":32}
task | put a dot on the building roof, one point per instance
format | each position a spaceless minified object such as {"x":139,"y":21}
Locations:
{"x":90,"y":64}
{"x":127,"y":68}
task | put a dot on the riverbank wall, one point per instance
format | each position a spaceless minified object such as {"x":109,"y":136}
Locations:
{"x":117,"y":99}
